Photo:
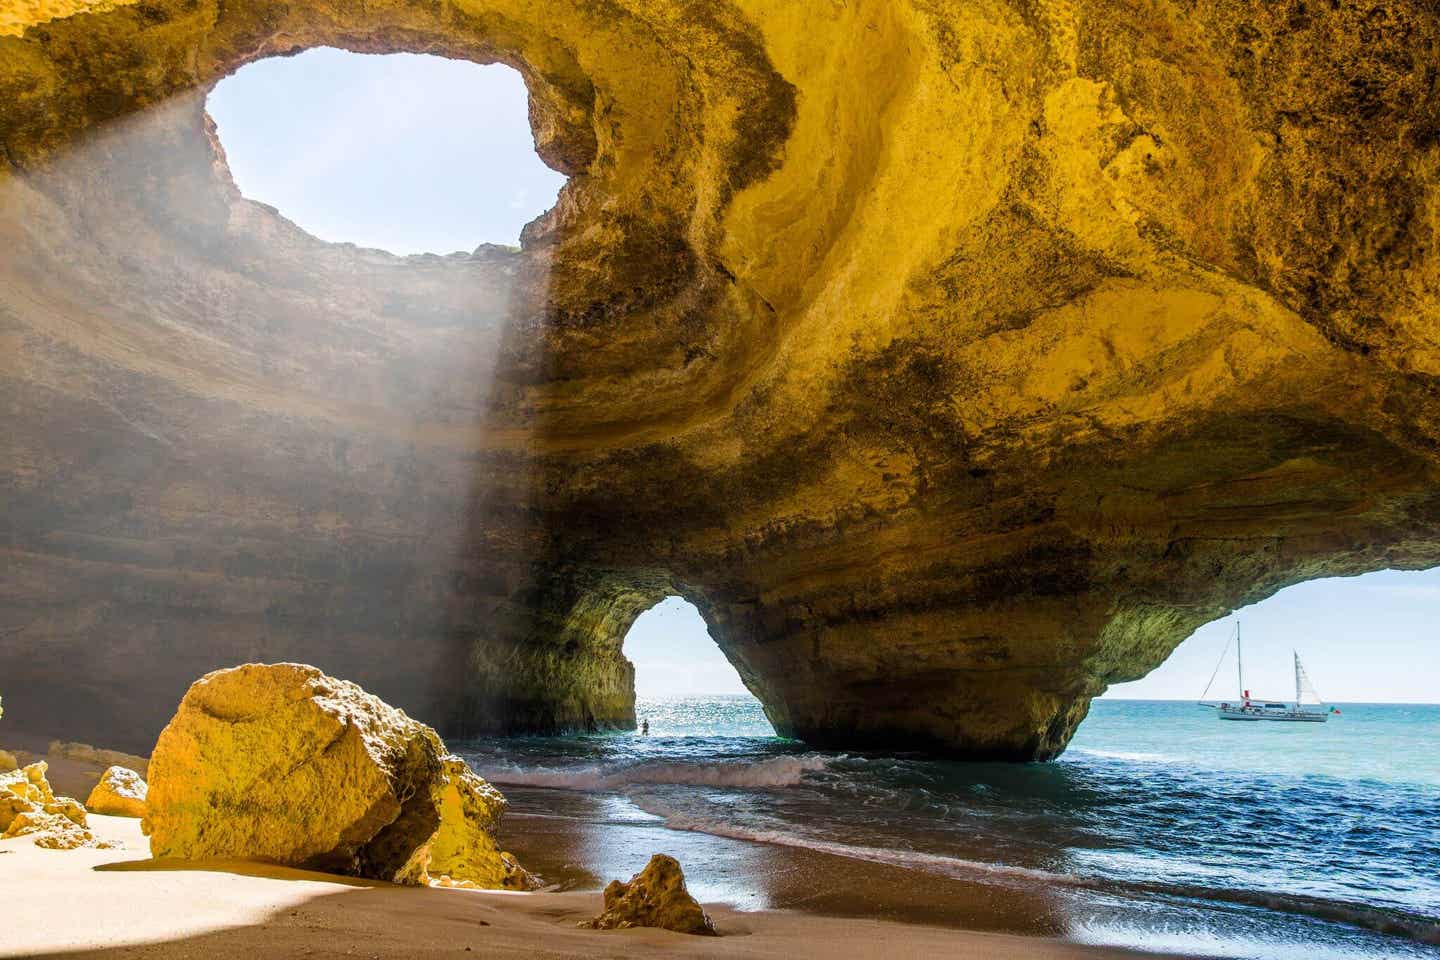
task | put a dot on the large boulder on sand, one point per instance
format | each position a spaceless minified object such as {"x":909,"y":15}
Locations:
{"x":284,"y":764}
{"x":120,"y":793}
{"x":654,"y":897}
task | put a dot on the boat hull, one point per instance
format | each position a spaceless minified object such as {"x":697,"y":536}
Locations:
{"x":1258,"y":715}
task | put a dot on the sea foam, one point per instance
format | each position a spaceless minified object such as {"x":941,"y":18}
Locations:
{"x":775,"y":772}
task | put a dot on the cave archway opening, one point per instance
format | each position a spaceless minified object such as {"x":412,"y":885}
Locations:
{"x":407,"y":153}
{"x":1364,"y":639}
{"x":684,"y":685}
{"x":1368,"y":648}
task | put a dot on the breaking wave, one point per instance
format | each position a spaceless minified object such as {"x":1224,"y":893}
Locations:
{"x":776,"y":772}
{"x":1393,"y":922}
{"x":1158,"y":818}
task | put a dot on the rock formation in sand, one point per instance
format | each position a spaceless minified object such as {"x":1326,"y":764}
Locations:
{"x":29,"y":807}
{"x":283,"y":764}
{"x":654,"y":897}
{"x":120,"y":793}
{"x":956,"y":359}
{"x":463,"y":850}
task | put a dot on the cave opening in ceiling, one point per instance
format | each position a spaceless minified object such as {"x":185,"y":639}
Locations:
{"x":684,"y":685}
{"x":407,"y":153}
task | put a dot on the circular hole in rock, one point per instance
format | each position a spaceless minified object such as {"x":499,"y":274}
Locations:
{"x":403,"y":152}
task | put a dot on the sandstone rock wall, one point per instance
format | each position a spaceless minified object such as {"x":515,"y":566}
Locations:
{"x":956,"y":359}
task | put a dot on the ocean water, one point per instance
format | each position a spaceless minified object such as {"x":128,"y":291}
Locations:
{"x":1161,"y":826}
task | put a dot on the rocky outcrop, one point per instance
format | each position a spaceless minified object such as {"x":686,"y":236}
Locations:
{"x":654,"y":897}
{"x":120,"y":793}
{"x":284,"y":764}
{"x":957,"y":360}
{"x":463,"y":850}
{"x":29,"y":807}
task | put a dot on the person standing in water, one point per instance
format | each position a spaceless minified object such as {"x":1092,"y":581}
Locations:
{"x":644,"y":728}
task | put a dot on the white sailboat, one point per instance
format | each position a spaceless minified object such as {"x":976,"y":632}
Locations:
{"x":1252,"y":709}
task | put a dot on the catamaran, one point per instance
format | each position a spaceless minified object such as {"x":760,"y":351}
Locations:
{"x":1250,"y":708}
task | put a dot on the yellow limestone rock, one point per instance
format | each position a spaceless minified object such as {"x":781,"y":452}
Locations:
{"x":463,"y":852}
{"x":19,"y":14}
{"x":957,"y":360}
{"x":654,"y":897}
{"x":53,"y":831}
{"x":120,"y":793}
{"x":29,"y":807}
{"x":284,"y":764}
{"x":28,"y":783}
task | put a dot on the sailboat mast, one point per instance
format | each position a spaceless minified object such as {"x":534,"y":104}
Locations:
{"x":1239,"y":665}
{"x":1297,"y":677}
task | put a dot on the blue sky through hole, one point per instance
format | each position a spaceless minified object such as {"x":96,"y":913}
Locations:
{"x":404,"y":152}
{"x":1363,"y":639}
{"x":674,"y":655}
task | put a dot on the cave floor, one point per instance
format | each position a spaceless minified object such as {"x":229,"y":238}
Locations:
{"x":118,"y":903}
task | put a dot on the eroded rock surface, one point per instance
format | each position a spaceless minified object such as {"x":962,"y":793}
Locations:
{"x":120,"y":793}
{"x":281,"y":763}
{"x":654,"y":897}
{"x":284,"y":764}
{"x":956,"y":359}
{"x":463,"y":850}
{"x":30,"y":808}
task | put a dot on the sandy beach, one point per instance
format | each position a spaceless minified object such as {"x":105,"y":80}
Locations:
{"x":119,"y":903}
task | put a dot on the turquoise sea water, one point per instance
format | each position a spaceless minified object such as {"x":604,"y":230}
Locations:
{"x":1161,"y":826}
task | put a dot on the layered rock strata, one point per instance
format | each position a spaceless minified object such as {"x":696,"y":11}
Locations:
{"x":283,"y":764}
{"x":957,"y":360}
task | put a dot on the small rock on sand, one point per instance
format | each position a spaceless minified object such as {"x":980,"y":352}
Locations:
{"x":654,"y":897}
{"x":120,"y":793}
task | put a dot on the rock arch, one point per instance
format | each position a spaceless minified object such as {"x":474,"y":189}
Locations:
{"x":959,"y":361}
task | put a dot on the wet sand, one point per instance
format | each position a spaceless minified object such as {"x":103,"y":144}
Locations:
{"x":569,"y":840}
{"x":120,"y":904}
